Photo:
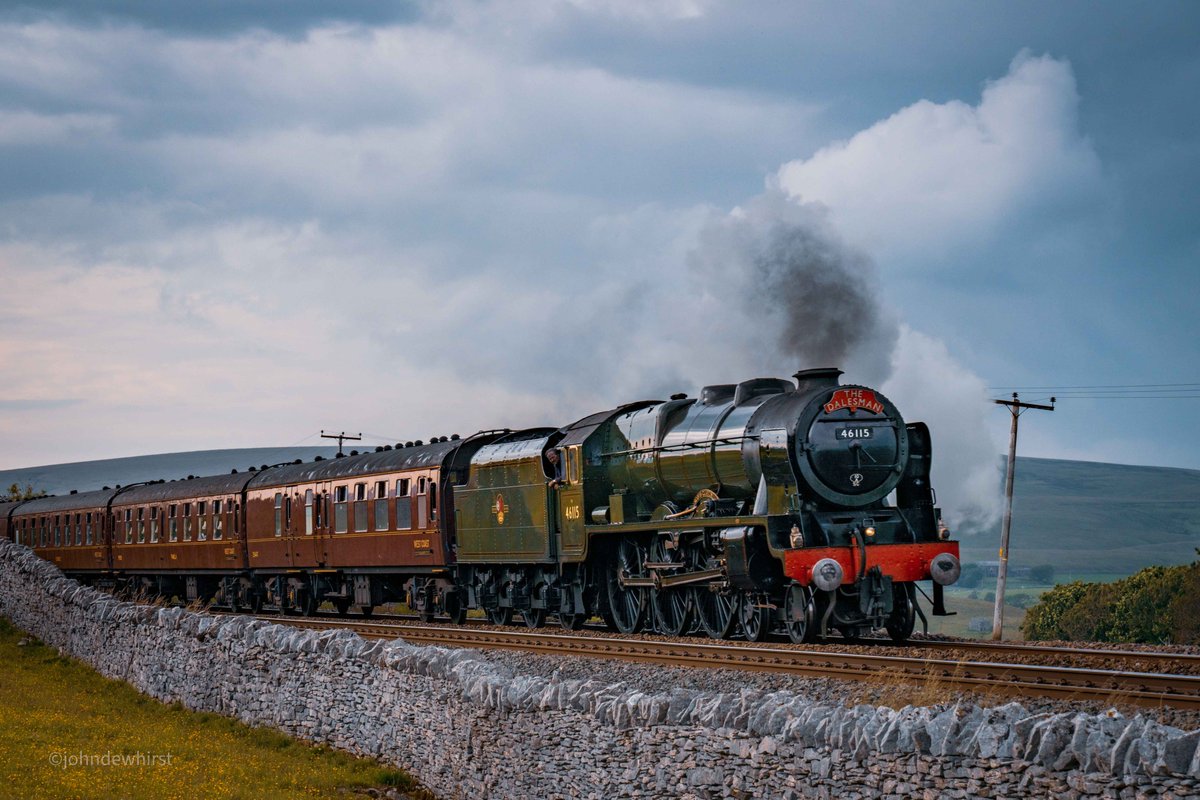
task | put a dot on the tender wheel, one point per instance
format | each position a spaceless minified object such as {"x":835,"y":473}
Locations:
{"x":500,"y":616}
{"x":672,"y":607}
{"x":367,"y":611}
{"x":572,"y":622}
{"x":342,"y":606}
{"x":904,"y":613}
{"x":715,"y":612}
{"x":455,"y":609}
{"x":627,"y":605}
{"x":798,"y":614}
{"x":754,"y":617}
{"x":534,"y":617}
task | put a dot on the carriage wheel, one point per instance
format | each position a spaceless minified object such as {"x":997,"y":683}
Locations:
{"x":534,"y":617}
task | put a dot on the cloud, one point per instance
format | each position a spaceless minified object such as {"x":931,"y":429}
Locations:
{"x":934,"y":178}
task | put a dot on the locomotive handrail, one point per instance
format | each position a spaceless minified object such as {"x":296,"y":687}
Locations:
{"x":683,"y":446}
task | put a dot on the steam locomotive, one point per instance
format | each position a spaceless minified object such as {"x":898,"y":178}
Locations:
{"x":798,"y":507}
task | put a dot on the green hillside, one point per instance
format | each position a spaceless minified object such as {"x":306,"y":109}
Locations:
{"x":1093,"y":519}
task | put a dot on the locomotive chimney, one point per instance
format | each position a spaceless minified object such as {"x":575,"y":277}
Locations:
{"x":809,"y":379}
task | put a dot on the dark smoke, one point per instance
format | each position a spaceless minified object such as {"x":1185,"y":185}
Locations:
{"x":818,"y":291}
{"x":810,"y":296}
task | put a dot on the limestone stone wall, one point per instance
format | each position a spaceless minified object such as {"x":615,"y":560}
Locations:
{"x":469,"y":728}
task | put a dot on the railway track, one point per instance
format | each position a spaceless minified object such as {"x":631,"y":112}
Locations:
{"x":1159,"y":661}
{"x":1145,"y":689}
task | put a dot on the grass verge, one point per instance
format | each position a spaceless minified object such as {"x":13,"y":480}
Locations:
{"x":56,"y":714}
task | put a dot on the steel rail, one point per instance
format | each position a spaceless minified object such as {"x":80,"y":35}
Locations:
{"x":931,"y":644}
{"x":1137,"y":688}
{"x":1042,"y":649}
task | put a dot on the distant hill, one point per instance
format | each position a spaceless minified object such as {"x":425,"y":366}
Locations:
{"x":86,"y":475}
{"x":1088,"y":517}
{"x":1082,"y":517}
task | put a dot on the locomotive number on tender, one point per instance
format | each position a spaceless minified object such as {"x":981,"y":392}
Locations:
{"x":854,"y":433}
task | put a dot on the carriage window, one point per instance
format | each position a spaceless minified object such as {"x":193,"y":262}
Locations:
{"x":381,"y":506}
{"x":237,"y":515}
{"x":89,"y":528}
{"x":279,"y":513}
{"x":421,"y":485}
{"x":172,"y":523}
{"x":218,"y":520}
{"x":432,"y":500}
{"x":79,"y":529}
{"x":187,"y":522}
{"x":287,"y":513}
{"x":154,"y":524}
{"x":202,"y":513}
{"x":308,"y":512}
{"x":141,"y":525}
{"x":57,"y":532}
{"x":360,"y":507}
{"x":403,"y":505}
{"x":340,"y":515}
{"x":128,"y":526}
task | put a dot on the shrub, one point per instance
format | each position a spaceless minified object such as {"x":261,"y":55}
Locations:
{"x":1154,"y":605}
{"x":1043,"y":621}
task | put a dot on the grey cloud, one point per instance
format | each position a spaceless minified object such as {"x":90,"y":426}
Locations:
{"x":218,"y":17}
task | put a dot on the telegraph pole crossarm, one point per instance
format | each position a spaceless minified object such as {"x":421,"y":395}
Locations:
{"x":343,"y":436}
{"x":1016,"y":407}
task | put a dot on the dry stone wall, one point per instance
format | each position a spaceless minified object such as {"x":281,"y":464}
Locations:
{"x":467,"y":727}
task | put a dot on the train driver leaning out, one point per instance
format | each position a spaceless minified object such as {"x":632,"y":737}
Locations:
{"x":556,"y":467}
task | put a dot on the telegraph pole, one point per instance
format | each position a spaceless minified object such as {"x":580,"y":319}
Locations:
{"x":344,"y":436}
{"x":1016,"y":407}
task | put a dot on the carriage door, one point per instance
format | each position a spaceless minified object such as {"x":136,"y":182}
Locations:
{"x":570,"y":506}
{"x":315,"y":528}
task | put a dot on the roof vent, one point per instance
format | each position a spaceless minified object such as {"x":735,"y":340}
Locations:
{"x":319,"y":458}
{"x":454,"y":437}
{"x":74,"y":491}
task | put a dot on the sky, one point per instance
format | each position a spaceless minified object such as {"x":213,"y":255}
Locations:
{"x":235,"y":224}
